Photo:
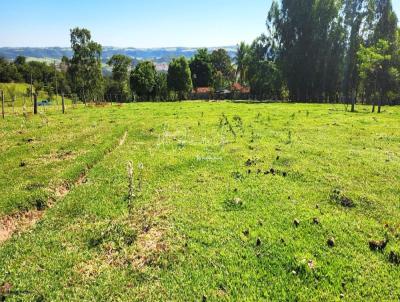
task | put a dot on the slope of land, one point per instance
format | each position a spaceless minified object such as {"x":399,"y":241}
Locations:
{"x":237,"y":202}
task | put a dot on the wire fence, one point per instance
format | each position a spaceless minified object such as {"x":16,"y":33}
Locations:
{"x":19,"y":103}
{"x":22,"y":103}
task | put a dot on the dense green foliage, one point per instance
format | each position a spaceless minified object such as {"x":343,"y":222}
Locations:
{"x":84,"y":69}
{"x":223,"y":70}
{"x":262,"y":73}
{"x":180,"y":78}
{"x":315,"y":44}
{"x":8,"y":72}
{"x":212,"y":70}
{"x":119,"y":82}
{"x":162,"y":92}
{"x":376,"y":74}
{"x":201,"y":69}
{"x":238,"y":203}
{"x":241,"y":62}
{"x":42,"y":75}
{"x":144,"y":80}
{"x":309,"y":46}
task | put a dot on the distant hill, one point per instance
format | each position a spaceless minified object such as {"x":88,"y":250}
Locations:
{"x":158,"y":55}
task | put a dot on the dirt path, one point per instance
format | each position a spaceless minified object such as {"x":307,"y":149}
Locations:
{"x":23,"y":221}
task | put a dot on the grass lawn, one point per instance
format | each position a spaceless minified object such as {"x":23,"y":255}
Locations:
{"x":22,"y":97}
{"x":273,"y":202}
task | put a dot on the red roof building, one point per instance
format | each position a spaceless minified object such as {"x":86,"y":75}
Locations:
{"x":202,"y":90}
{"x":237,"y":87}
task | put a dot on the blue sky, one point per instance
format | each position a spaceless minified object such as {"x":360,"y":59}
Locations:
{"x":135,"y":23}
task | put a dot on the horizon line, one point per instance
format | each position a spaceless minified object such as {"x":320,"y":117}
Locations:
{"x":127,"y":47}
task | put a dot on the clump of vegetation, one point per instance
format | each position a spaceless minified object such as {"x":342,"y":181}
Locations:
{"x":234,"y":204}
{"x":225,"y":124}
{"x":34,"y":186}
{"x":251,"y":162}
{"x":237,"y":175}
{"x":376,"y":245}
{"x":112,"y":234}
{"x":289,"y":137}
{"x":238,"y":123}
{"x":331,"y":242}
{"x":302,"y":267}
{"x":394,"y":257}
{"x":339,"y":197}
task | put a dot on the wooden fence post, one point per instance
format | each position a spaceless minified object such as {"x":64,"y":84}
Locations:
{"x":35,"y":105}
{"x":63,"y":104}
{"x":2,"y":103}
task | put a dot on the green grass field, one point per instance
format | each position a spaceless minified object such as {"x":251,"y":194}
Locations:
{"x":22,"y":97}
{"x":239,"y":202}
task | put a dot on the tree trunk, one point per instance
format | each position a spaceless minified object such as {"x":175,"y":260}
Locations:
{"x":373,"y":104}
{"x":380,"y":103}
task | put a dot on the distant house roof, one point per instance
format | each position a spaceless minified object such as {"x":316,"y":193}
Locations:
{"x":240,"y":88}
{"x":202,"y":90}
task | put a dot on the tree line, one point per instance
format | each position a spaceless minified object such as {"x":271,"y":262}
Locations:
{"x":329,"y":51}
{"x":82,"y":76}
{"x":313,"y":51}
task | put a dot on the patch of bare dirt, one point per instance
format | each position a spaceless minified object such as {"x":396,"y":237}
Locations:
{"x":150,"y":246}
{"x":5,"y":290}
{"x":19,"y":222}
{"x":123,"y":139}
{"x":61,"y":191}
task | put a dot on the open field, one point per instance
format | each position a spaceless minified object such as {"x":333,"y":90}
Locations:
{"x":283,"y":202}
{"x":22,"y":97}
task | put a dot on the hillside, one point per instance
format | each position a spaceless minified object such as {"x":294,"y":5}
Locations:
{"x":159,"y":55}
{"x":22,"y":96}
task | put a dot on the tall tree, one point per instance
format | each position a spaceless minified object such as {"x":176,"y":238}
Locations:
{"x":120,"y":66}
{"x":84,"y":69}
{"x":20,"y":60}
{"x":263,"y":73}
{"x":162,"y":87}
{"x":378,"y":59}
{"x":241,"y":60}
{"x":355,"y":14}
{"x":304,"y":33}
{"x":375,"y":69}
{"x":143,"y":80}
{"x":179,"y":78}
{"x":201,"y":68}
{"x":386,"y":22}
{"x":222,"y":65}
